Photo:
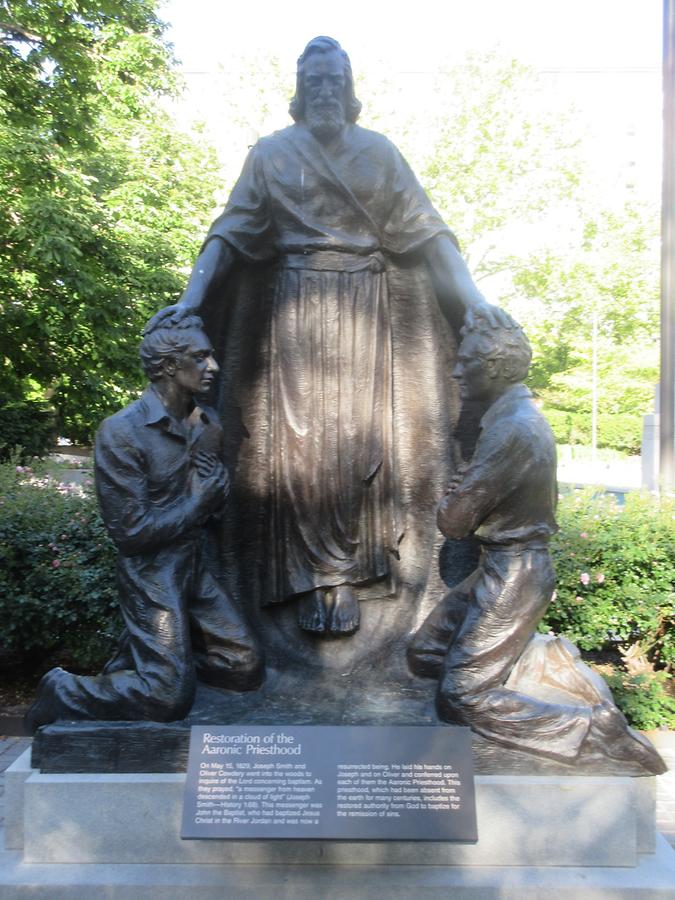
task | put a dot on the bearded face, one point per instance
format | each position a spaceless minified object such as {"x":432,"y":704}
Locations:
{"x":324,"y":84}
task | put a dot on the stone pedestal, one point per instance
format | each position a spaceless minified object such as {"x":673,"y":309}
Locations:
{"x":69,"y":836}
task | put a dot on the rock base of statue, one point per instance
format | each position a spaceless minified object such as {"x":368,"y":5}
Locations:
{"x":69,"y":836}
{"x":377,"y":692}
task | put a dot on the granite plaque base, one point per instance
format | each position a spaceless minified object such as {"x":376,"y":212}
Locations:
{"x":540,"y":838}
{"x":522,"y":820}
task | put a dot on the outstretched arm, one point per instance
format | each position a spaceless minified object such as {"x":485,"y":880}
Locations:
{"x":245,"y":224}
{"x":210,"y":270}
{"x":458,"y":296}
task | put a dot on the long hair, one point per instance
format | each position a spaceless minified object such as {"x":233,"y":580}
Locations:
{"x":324,"y":45}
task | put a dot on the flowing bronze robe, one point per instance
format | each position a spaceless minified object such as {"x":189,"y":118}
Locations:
{"x":335,"y":352}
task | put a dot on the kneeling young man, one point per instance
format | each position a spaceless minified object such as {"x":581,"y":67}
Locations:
{"x":474,"y":640}
{"x":161,"y":485}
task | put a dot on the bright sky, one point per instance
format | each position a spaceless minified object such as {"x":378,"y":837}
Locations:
{"x":544,"y":33}
{"x":604,"y":56}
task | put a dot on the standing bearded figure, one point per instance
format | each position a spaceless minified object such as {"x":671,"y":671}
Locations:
{"x":324,"y":277}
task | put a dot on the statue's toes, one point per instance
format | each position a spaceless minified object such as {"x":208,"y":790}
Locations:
{"x":312,"y":612}
{"x":345,"y":616}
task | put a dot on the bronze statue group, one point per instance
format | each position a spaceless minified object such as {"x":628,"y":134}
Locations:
{"x":333,"y":296}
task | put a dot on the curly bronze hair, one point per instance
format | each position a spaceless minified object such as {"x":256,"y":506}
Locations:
{"x":166,"y":342}
{"x":509,"y":346}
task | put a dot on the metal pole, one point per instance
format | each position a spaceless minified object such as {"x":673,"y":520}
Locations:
{"x":594,"y":389}
{"x":667,"y":391}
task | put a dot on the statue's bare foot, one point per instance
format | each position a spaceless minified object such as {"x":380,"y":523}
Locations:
{"x":314,"y":611}
{"x":345,"y":616}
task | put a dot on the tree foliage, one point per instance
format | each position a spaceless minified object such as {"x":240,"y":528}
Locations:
{"x":104,"y":205}
{"x":498,"y":159}
{"x":511,"y":175}
{"x":609,"y":275}
{"x":104,"y":202}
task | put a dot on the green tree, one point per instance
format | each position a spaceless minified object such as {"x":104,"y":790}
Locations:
{"x":498,"y":159}
{"x":510,"y":174}
{"x":104,"y":202}
{"x":609,"y":277}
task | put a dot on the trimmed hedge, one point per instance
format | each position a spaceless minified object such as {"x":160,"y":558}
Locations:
{"x":57,"y":586}
{"x":615,"y":595}
{"x":615,"y":569}
{"x":27,"y":430}
{"x":618,"y":431}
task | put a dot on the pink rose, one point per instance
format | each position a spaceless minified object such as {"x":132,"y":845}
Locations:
{"x":56,"y":563}
{"x":600,"y":578}
{"x":585,"y":578}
